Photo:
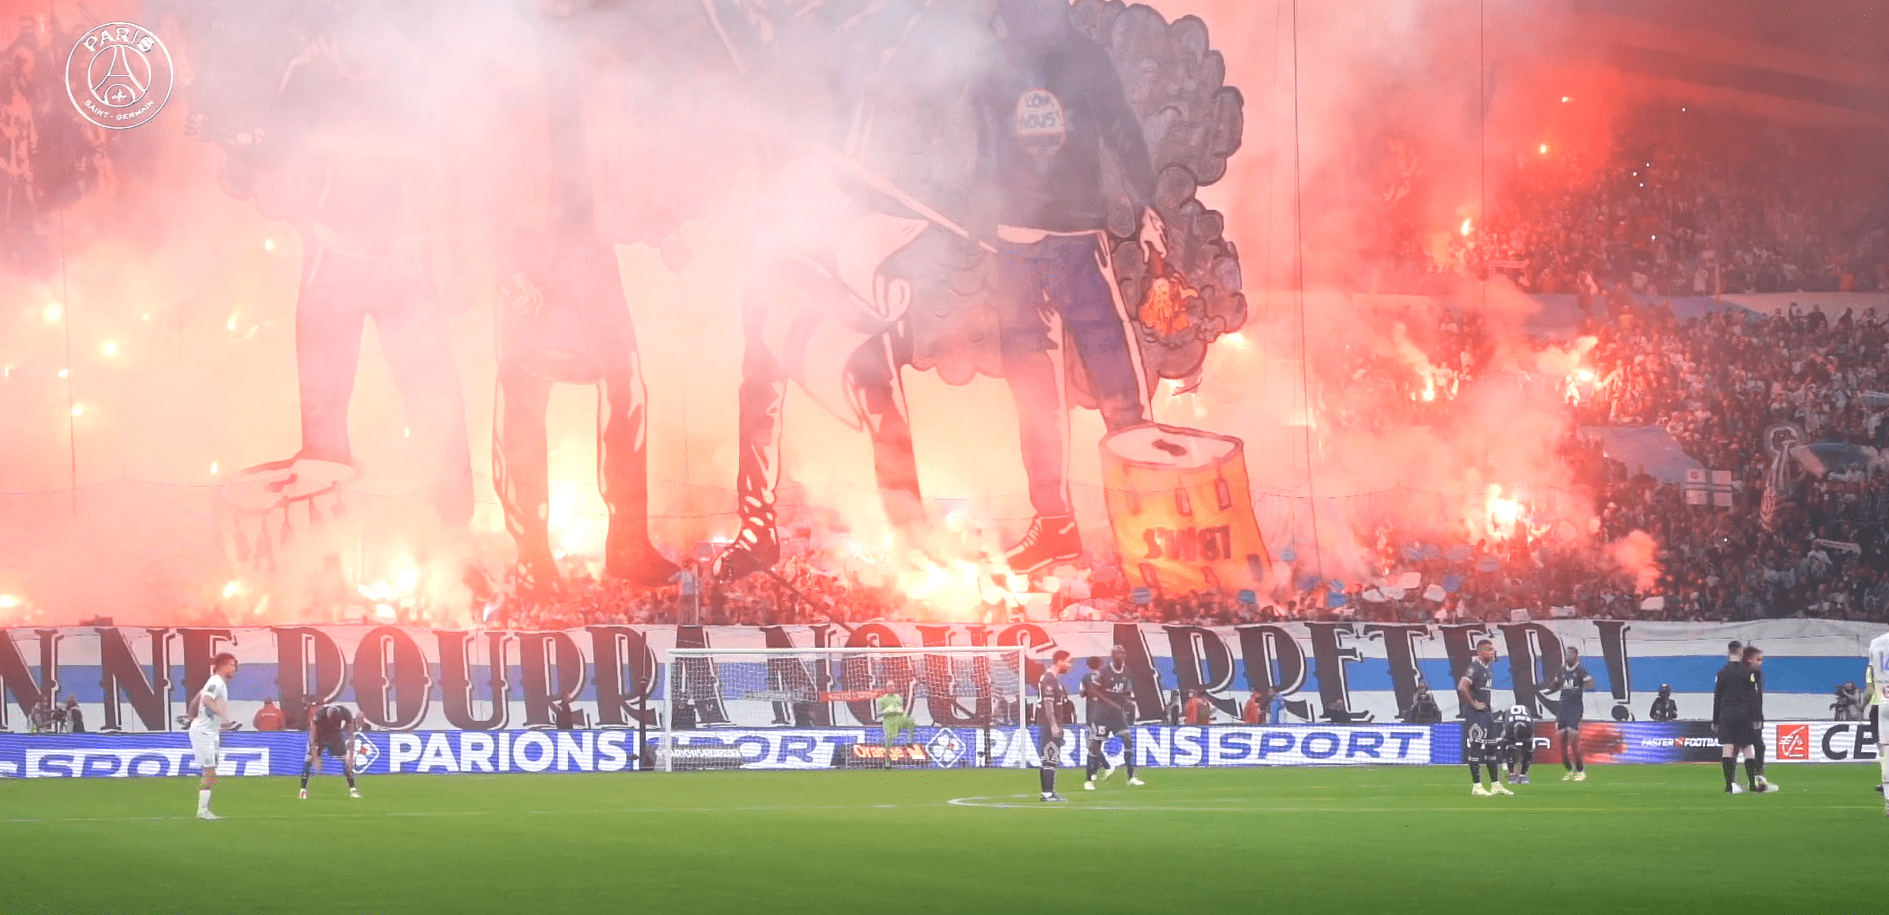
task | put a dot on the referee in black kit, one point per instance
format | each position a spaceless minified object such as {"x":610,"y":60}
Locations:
{"x":1737,"y":704}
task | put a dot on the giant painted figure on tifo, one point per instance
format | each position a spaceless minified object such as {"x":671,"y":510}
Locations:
{"x":991,"y":205}
{"x":996,"y":187}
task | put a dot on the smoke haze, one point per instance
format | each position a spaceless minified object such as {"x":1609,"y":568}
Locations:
{"x":168,"y":297}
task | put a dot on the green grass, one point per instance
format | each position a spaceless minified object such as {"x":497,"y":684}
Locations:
{"x":1631,"y":839}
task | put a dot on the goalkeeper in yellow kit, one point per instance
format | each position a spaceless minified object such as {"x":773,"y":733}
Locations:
{"x":893,"y":720}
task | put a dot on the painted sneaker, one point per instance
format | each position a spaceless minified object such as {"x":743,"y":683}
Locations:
{"x":1480,"y":791}
{"x":1055,"y":799}
{"x":1135,"y":783}
{"x":1047,"y":542}
{"x":1501,"y":790}
{"x":1088,"y":785}
{"x":1734,"y":788}
{"x":302,"y":794}
{"x":756,"y":547}
{"x":1581,"y":776}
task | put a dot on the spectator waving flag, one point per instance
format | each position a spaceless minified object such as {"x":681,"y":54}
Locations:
{"x":1781,"y":440}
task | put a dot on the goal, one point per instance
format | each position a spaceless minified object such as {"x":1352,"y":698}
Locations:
{"x":817,"y":708}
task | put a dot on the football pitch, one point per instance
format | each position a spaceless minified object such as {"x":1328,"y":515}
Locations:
{"x":1631,"y":838}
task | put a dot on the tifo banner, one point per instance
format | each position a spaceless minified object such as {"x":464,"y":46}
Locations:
{"x":1822,"y":741}
{"x":139,"y":679}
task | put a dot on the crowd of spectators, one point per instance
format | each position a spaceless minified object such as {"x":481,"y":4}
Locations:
{"x":1688,"y":201}
{"x":1682,"y":201}
{"x":1719,"y":383}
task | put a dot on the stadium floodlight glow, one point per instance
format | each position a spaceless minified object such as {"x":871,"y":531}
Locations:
{"x":717,"y":702}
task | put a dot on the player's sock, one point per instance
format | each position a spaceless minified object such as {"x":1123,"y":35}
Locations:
{"x":203,"y":800}
{"x":1751,"y":772}
{"x":1580,"y":765}
{"x":1095,"y":758}
{"x":1492,"y":778}
{"x":1048,"y":778}
{"x":306,"y":768}
{"x":1730,"y":766}
{"x":1567,"y":762}
{"x":350,"y":779}
{"x":1882,"y":756}
{"x":1475,"y":773}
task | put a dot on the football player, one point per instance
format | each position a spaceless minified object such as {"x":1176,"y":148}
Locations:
{"x":1517,"y":727}
{"x":330,"y":732}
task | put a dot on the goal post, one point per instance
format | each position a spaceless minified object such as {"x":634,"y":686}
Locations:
{"x":730,"y":708}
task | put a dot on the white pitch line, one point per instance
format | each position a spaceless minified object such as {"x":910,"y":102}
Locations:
{"x":369,"y":815}
{"x":1030,"y":801}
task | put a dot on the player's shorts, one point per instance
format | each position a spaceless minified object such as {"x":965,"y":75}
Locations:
{"x":335,"y":745}
{"x":1737,"y":734}
{"x":893,"y":724}
{"x":208,"y":748}
{"x":1101,"y":727}
{"x":1051,"y":751}
{"x":1566,"y":719}
{"x":1480,"y":735}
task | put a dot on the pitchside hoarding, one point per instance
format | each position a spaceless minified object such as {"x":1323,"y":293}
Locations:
{"x":248,"y":753}
{"x":1823,"y":741}
{"x":528,"y":751}
{"x":138,"y":679}
{"x":1156,"y":746}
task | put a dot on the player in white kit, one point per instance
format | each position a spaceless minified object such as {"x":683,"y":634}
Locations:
{"x":206,"y":728}
{"x":1878,"y":680}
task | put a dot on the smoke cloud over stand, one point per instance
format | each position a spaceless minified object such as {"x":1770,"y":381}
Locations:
{"x":149,"y":280}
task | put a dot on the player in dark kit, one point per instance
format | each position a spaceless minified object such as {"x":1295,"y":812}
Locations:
{"x":330,"y":731}
{"x":1574,"y":682}
{"x":1481,"y":740}
{"x":1110,"y":697}
{"x":1051,"y":697}
{"x":1517,"y":727}
{"x":1734,"y":717}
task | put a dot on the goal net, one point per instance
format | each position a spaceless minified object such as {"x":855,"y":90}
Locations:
{"x":817,"y":708}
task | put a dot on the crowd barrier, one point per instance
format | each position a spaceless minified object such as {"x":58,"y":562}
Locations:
{"x":247,"y":753}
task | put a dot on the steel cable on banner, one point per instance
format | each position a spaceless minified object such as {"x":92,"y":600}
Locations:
{"x":1305,"y":366}
{"x":72,"y":409}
